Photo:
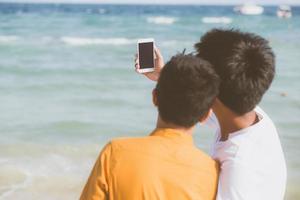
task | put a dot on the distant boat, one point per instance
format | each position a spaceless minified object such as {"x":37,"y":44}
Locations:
{"x":249,"y":9}
{"x":284,"y":11}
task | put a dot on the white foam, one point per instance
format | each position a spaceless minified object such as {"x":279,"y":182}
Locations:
{"x":161,"y":20}
{"x":8,"y":38}
{"x":100,"y":11}
{"x":47,"y":39}
{"x":82,"y":41}
{"x":216,"y":20}
{"x":169,"y":43}
{"x":21,"y":178}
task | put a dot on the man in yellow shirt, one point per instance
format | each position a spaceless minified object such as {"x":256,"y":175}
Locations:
{"x":165,"y":165}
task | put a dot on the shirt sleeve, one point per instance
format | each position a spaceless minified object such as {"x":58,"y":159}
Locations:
{"x":96,"y":187}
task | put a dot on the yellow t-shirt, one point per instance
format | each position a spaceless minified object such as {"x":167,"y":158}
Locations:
{"x":165,"y":165}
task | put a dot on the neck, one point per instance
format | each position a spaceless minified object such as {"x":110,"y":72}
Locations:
{"x":231,"y":122}
{"x":162,"y":124}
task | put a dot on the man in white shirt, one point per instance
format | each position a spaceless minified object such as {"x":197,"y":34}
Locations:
{"x":247,"y":144}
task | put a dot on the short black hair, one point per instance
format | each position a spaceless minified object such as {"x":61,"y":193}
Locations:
{"x":245,"y":64}
{"x":186,"y":89}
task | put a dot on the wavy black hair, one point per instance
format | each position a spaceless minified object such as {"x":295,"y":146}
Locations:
{"x":245,"y":64}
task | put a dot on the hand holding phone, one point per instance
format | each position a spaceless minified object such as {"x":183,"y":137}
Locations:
{"x":152,"y":74}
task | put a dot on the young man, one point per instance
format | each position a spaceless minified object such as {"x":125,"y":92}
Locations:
{"x":247,"y":144}
{"x":166,"y":164}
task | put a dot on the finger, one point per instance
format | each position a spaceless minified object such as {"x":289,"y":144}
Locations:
{"x":137,"y":66}
{"x":136,"y":59}
{"x":157,"y":52}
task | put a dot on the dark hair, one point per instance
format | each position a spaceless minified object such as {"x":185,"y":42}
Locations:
{"x":186,"y":89}
{"x":245,"y":64}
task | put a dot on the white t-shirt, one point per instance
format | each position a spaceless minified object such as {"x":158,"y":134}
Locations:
{"x":252,"y":162}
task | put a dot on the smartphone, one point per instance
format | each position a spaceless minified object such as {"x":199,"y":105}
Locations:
{"x":145,"y":48}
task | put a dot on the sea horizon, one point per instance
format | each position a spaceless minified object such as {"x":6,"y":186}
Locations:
{"x":147,"y":4}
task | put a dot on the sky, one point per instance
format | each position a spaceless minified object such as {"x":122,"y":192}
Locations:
{"x":222,"y":2}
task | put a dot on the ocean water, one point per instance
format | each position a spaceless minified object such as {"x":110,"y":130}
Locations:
{"x":68,"y":86}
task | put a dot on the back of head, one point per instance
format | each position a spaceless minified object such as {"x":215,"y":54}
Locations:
{"x":245,"y":63}
{"x":186,"y":90}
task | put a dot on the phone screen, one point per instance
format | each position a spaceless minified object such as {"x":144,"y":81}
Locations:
{"x":146,"y":58}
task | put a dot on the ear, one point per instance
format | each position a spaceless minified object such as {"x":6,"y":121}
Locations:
{"x":206,"y":116}
{"x":154,"y":97}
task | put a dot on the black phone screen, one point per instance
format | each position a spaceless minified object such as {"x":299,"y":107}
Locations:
{"x":146,"y":58}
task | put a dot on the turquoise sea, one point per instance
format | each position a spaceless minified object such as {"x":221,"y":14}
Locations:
{"x":67,"y":86}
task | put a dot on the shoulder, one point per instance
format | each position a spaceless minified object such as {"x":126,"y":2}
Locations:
{"x":255,"y":135}
{"x":203,"y":155}
{"x":131,"y":143}
{"x":202,"y":159}
{"x":121,"y":145}
{"x":124,"y":141}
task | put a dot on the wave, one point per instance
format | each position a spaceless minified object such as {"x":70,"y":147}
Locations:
{"x":4,"y":39}
{"x":161,"y":20}
{"x":8,"y":38}
{"x":17,"y":179}
{"x":216,"y":20}
{"x":96,"y":11}
{"x":83,"y":41}
{"x":168,"y":43}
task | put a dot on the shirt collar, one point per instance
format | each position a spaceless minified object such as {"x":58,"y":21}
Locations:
{"x":173,"y":134}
